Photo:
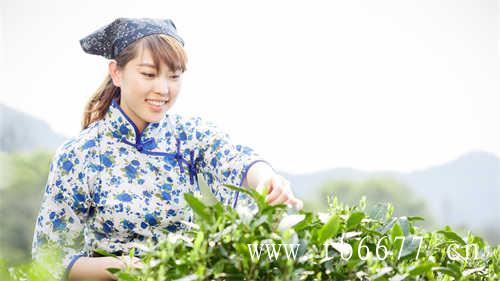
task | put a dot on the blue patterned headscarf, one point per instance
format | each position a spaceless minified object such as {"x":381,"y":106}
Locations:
{"x":108,"y":41}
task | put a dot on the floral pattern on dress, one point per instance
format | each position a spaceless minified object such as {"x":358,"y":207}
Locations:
{"x":112,"y":186}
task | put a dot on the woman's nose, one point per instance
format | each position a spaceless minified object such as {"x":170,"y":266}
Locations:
{"x":162,"y":86}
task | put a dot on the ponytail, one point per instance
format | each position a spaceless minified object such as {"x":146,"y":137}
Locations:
{"x":99,"y":102}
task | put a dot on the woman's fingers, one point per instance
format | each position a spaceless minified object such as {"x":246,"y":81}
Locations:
{"x":282,"y":198}
{"x":276,"y":190}
{"x":285,"y":192}
{"x":297,"y":203}
{"x":262,"y":185}
{"x":281,"y":192}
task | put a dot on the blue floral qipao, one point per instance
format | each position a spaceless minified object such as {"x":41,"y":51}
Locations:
{"x":111,"y":186}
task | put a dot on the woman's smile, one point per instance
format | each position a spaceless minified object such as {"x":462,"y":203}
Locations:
{"x":156,"y":105}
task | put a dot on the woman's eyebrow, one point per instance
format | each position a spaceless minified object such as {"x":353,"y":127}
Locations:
{"x":153,"y":66}
{"x":146,"y":64}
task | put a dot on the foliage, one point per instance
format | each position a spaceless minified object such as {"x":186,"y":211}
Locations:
{"x":21,"y":189}
{"x":345,"y":243}
{"x":360,"y":245}
{"x":43,"y":270}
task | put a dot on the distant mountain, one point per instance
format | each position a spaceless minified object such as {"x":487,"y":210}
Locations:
{"x":466,"y":190}
{"x":22,"y":132}
{"x":462,"y":192}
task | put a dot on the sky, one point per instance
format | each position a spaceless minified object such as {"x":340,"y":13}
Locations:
{"x":310,"y":85}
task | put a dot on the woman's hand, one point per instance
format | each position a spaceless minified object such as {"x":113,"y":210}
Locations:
{"x":96,"y":268}
{"x":279,"y":191}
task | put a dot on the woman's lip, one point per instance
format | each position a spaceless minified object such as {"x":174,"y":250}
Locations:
{"x":156,"y":108}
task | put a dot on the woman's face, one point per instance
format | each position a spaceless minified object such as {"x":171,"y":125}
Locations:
{"x":146,"y":94}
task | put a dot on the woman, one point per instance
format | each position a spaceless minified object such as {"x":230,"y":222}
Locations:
{"x":121,"y":180}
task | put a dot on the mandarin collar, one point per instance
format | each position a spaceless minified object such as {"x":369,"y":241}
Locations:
{"x":121,"y":127}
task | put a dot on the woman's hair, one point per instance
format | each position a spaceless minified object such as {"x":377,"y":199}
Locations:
{"x":163,"y":48}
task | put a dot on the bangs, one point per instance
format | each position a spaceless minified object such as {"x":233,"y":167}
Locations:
{"x":165,"y":49}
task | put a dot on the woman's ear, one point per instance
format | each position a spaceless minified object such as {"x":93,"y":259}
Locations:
{"x":114,"y":72}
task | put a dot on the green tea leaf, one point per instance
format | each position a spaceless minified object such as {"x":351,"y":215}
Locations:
{"x":421,"y":268}
{"x":259,"y":198}
{"x":197,"y":206}
{"x":126,"y":276}
{"x":396,"y":231}
{"x":330,"y":229}
{"x":448,"y":271}
{"x":208,"y":197}
{"x":104,"y":253}
{"x":354,"y":219}
{"x":452,"y":236}
{"x":415,"y":218}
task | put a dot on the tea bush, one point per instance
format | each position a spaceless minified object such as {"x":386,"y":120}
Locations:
{"x":344,"y":244}
{"x":280,"y":243}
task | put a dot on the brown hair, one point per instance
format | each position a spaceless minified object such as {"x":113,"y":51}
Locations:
{"x":162,"y":47}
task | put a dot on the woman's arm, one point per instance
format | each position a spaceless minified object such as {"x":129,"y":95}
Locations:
{"x":94,"y":268}
{"x":258,"y":172}
{"x":226,"y":161}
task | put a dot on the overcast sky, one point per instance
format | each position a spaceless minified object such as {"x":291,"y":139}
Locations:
{"x":310,"y":85}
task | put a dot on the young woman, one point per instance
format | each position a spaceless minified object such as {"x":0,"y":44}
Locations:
{"x":121,"y":180}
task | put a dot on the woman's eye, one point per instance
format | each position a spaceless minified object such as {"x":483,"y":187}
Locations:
{"x":175,"y":76}
{"x":148,"y":74}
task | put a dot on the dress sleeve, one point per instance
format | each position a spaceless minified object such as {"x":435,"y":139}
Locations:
{"x":225,"y":162}
{"x":59,"y":228}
